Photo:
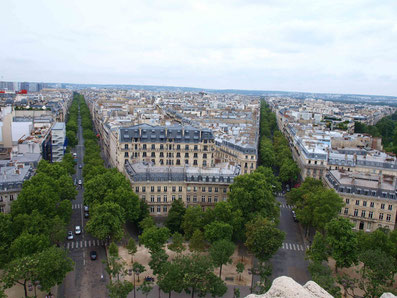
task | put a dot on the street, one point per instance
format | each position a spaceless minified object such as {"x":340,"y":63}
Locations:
{"x":85,"y":279}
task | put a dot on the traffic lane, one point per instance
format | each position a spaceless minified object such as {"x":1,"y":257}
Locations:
{"x":94,"y":286}
{"x":290,"y":227}
{"x":292,"y":264}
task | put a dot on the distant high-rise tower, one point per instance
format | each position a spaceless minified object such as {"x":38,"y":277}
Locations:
{"x":24,"y":86}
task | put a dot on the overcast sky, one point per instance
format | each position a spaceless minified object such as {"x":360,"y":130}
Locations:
{"x":341,"y":46}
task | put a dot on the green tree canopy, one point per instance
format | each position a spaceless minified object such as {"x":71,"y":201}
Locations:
{"x":175,"y":217}
{"x":221,"y":252}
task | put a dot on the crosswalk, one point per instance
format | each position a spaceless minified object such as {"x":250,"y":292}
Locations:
{"x":294,"y":246}
{"x":76,"y":206}
{"x":286,"y":206}
{"x":83,"y":243}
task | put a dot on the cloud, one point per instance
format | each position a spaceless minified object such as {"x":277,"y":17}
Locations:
{"x":307,"y":45}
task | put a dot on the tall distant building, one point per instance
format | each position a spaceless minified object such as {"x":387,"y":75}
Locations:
{"x":24,"y":86}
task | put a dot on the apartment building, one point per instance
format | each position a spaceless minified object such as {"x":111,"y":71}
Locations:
{"x":159,"y":186}
{"x":370,"y":200}
{"x":12,"y":177}
{"x":174,"y":145}
{"x":58,"y":132}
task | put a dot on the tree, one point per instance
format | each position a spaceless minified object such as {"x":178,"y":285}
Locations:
{"x":132,"y":249}
{"x":319,"y":250}
{"x":177,"y":243}
{"x":192,"y":220}
{"x":342,"y":241}
{"x":147,"y":223}
{"x":115,"y":267}
{"x":53,"y":265}
{"x":198,"y":276}
{"x":158,"y":259}
{"x":263,"y":238}
{"x":113,"y":250}
{"x":253,"y":195}
{"x":106,"y":221}
{"x":296,"y":197}
{"x":175,"y":217}
{"x":289,"y":171}
{"x":218,"y":230}
{"x":138,"y":269}
{"x":127,"y":199}
{"x":377,"y":273}
{"x":57,"y":230}
{"x":154,"y":238}
{"x":322,"y":275}
{"x":170,"y":278}
{"x":119,"y":289}
{"x":240,"y":269}
{"x":220,"y":253}
{"x":146,"y":287}
{"x":197,"y":241}
{"x":27,"y":244}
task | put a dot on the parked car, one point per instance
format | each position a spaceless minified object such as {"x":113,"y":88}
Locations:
{"x":80,"y":166}
{"x":77,"y":230}
{"x":86,"y":215}
{"x":149,"y":278}
{"x":70,"y":235}
{"x":86,"y":209}
{"x":93,"y":255}
{"x":294,"y":216}
{"x":80,"y":182}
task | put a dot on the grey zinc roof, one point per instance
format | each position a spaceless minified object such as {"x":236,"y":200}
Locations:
{"x":155,"y":134}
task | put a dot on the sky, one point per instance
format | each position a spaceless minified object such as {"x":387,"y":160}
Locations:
{"x":334,"y":46}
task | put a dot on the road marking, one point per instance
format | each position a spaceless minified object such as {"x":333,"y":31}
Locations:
{"x":81,"y":243}
{"x":72,"y":245}
{"x":89,"y":243}
{"x":85,"y":243}
{"x":77,"y":244}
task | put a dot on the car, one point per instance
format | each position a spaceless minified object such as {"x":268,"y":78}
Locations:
{"x":77,"y":230}
{"x":86,"y":215}
{"x":149,"y":279}
{"x":93,"y":255}
{"x":70,"y":235}
{"x":80,"y":166}
{"x":80,"y":182}
{"x":294,"y":216}
{"x":86,"y":209}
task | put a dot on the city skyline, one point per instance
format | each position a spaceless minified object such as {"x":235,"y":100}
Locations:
{"x":327,"y":47}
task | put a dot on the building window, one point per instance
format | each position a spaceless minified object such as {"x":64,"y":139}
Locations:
{"x":363,"y":213}
{"x":178,"y":147}
{"x":158,"y":209}
{"x":203,"y":199}
{"x":346,"y":211}
{"x":355,"y":212}
{"x":161,"y":154}
{"x":144,"y":147}
{"x":372,"y":204}
{"x":173,"y":197}
{"x":195,"y":162}
{"x":186,"y":161}
{"x":194,"y":199}
{"x":357,"y":202}
{"x":152,"y":199}
{"x":195,"y":155}
{"x":204,"y":163}
{"x":153,"y":154}
{"x":153,"y":146}
{"x":216,"y":189}
{"x":158,"y":188}
{"x":136,"y":189}
{"x":224,"y":190}
{"x":126,"y":146}
{"x":389,"y":208}
{"x":388,"y":217}
{"x":143,"y":188}
{"x":382,"y":206}
{"x":143,"y":154}
{"x":347,"y":201}
{"x":203,"y":189}
{"x":179,"y":197}
{"x":210,"y":200}
{"x":381,"y":216}
{"x":210,"y":189}
{"x":174,"y":189}
{"x":151,"y":209}
{"x":180,"y":188}
{"x":205,"y":155}
{"x":125,"y":154}
{"x":195,"y":188}
{"x":186,"y":147}
{"x":195,"y":148}
{"x":178,"y":162}
{"x":370,"y":214}
{"x":165,"y":188}
{"x":165,"y":199}
{"x":365,"y":203}
{"x":165,"y":209}
{"x":161,"y":147}
{"x":158,"y":199}
{"x":188,"y":198}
